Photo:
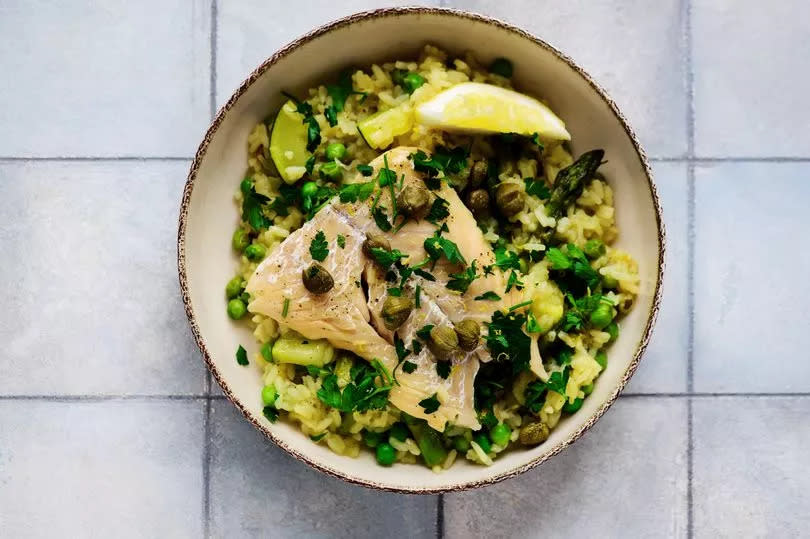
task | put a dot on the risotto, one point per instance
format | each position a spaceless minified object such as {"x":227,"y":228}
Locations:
{"x":425,"y":291}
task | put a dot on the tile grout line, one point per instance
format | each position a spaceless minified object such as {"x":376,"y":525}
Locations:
{"x":213,"y":65}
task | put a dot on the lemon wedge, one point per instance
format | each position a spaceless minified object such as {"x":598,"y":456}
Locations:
{"x":380,"y":129}
{"x":288,"y":143}
{"x":484,"y":108}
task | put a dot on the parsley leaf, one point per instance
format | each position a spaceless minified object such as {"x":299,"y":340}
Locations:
{"x":462,"y":281}
{"x":514,"y":281}
{"x":365,"y":170}
{"x":381,"y":218}
{"x":417,"y":347}
{"x":424,"y":332}
{"x":447,"y":160}
{"x":488,"y":420}
{"x":557,"y":259}
{"x":241,"y":356}
{"x":319,"y":248}
{"x":574,"y":259}
{"x":252,"y":209}
{"x":417,"y":296}
{"x":430,"y":404}
{"x":386,"y":176}
{"x":408,"y":367}
{"x":506,"y":259}
{"x":330,"y":112}
{"x":436,"y":246}
{"x":341,"y":241}
{"x":310,"y":164}
{"x":342,"y":90}
{"x":489,"y":295}
{"x":425,"y":275}
{"x":318,"y":437}
{"x":443,"y":369}
{"x":362,"y":393}
{"x":399,"y":346}
{"x":438,"y":211}
{"x":386,"y":258}
{"x":537,"y":188}
{"x":506,"y":340}
{"x":270,"y":413}
{"x":532,"y":326}
{"x":356,"y":191}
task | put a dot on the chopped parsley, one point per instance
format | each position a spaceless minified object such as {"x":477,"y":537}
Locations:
{"x":362,"y":393}
{"x":537,"y":188}
{"x":424,"y":332}
{"x":381,"y":218}
{"x":341,"y":241}
{"x":506,"y":340}
{"x":270,"y":413}
{"x":489,"y":295}
{"x":488,"y":420}
{"x":417,"y":347}
{"x":443,"y":369}
{"x":286,"y":308}
{"x":408,"y":367}
{"x":330,"y":112}
{"x":417,"y":296}
{"x":365,"y":170}
{"x":536,"y":391}
{"x":520,"y":305}
{"x":312,"y":203}
{"x":506,"y":259}
{"x":386,"y":176}
{"x":438,"y":211}
{"x":399,"y":346}
{"x":310,"y":164}
{"x":462,"y":281}
{"x":356,"y":191}
{"x":573,"y":262}
{"x":319,"y":248}
{"x":444,"y":160}
{"x":514,"y":281}
{"x":318,"y":437}
{"x":532,"y":326}
{"x":436,"y":246}
{"x":424,"y":274}
{"x":387,"y":258}
{"x":241,"y":356}
{"x":430,"y":404}
{"x":577,"y":315}
{"x":313,"y":129}
{"x":252,"y":212}
{"x":396,"y":292}
{"x":288,"y":196}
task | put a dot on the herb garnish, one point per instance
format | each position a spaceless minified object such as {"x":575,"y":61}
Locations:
{"x":386,"y":258}
{"x":241,"y":356}
{"x":438,"y":211}
{"x":270,"y":413}
{"x":430,"y":404}
{"x":506,"y":340}
{"x":443,"y":369}
{"x":513,"y":281}
{"x":356,"y":191}
{"x":365,"y":170}
{"x":424,"y":332}
{"x":506,"y":259}
{"x":537,"y":188}
{"x":313,"y":129}
{"x":361,"y":393}
{"x":341,"y":241}
{"x":381,"y":218}
{"x":286,"y":308}
{"x":575,"y":261}
{"x":436,"y":246}
{"x":462,"y":281}
{"x":489,"y":295}
{"x":520,"y":305}
{"x":408,"y":367}
{"x":319,"y":248}
{"x":252,"y":203}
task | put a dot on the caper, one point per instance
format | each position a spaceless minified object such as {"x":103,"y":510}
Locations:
{"x":468,"y":333}
{"x":533,"y":433}
{"x":317,"y":279}
{"x":509,"y":198}
{"x":443,"y":342}
{"x":375,"y":241}
{"x":395,"y":311}
{"x":478,"y":173}
{"x":478,"y":202}
{"x":414,"y":201}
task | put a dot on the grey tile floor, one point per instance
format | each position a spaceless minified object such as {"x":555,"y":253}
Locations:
{"x":108,"y":424}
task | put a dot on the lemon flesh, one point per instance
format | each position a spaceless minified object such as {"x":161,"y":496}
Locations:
{"x":483,"y":108}
{"x":380,"y":129}
{"x":288,"y":143}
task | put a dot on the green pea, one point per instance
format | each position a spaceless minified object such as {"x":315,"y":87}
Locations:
{"x":267,"y":352}
{"x":399,"y":432}
{"x":371,"y":438}
{"x":236,"y":309}
{"x":483,"y":442}
{"x":524,"y":266}
{"x":601,"y":358}
{"x":602,"y":316}
{"x":398,"y":77}
{"x":245,"y":297}
{"x":255,"y":252}
{"x":588,"y":389}
{"x":240,"y":239}
{"x":500,"y":434}
{"x":309,"y":189}
{"x":613,"y":329}
{"x":594,"y":248}
{"x":502,"y":67}
{"x":461,"y":444}
{"x":571,"y":407}
{"x":386,"y":454}
{"x":331,"y":170}
{"x":234,"y":287}
{"x":609,"y":282}
{"x":335,"y":150}
{"x":269,"y":395}
{"x":412,"y":81}
{"x":246,"y":186}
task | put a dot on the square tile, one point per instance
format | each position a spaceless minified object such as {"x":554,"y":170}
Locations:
{"x":257,"y":490}
{"x":101,"y":469}
{"x":751,"y":286}
{"x":664,"y":367}
{"x":750,"y":467}
{"x":751,"y":80}
{"x":624,"y":478}
{"x":92,"y":304}
{"x":634,"y":51}
{"x":111,"y":78}
{"x":248,"y":32}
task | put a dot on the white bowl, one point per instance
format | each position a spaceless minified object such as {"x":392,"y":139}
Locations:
{"x":208,"y":215}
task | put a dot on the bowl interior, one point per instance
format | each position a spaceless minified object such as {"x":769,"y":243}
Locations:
{"x":211,"y":216}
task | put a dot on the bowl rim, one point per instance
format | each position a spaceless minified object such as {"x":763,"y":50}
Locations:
{"x":378,"y":14}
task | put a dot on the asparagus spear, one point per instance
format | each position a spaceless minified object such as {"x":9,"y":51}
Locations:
{"x":428,"y":440}
{"x":571,"y":181}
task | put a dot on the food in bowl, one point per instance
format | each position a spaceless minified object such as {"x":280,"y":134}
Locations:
{"x":427,"y":269}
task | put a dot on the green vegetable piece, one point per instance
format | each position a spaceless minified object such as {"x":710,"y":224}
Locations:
{"x":502,"y":67}
{"x":399,"y":432}
{"x":267,"y":352}
{"x":500,"y":434}
{"x":255,"y":252}
{"x":412,"y":81}
{"x":241,"y":356}
{"x":461,"y":444}
{"x":240,"y":239}
{"x":482,"y":440}
{"x":335,"y":150}
{"x":303,"y":352}
{"x":236,"y":309}
{"x":601,"y":358}
{"x":309,"y":189}
{"x":594,"y":249}
{"x":602,"y":316}
{"x":371,"y":438}
{"x":386,"y":454}
{"x":588,"y":389}
{"x":613,"y":329}
{"x":571,"y":407}
{"x":609,"y":282}
{"x":234,"y":287}
{"x":331,"y":170}
{"x":269,"y":395}
{"x":428,"y":440}
{"x":571,"y":181}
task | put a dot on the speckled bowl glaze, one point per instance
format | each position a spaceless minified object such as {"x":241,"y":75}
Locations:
{"x":208,"y":216}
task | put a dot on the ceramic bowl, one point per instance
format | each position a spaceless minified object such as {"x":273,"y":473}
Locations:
{"x":208,"y":216}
